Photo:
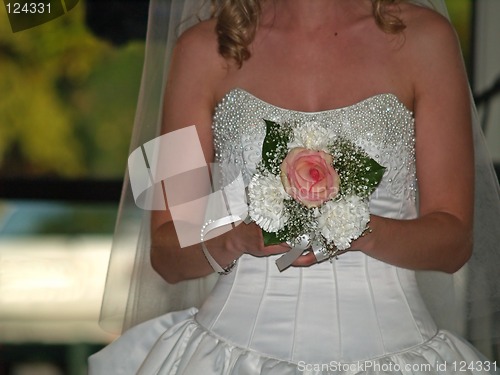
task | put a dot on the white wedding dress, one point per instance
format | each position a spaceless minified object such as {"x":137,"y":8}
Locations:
{"x":354,"y":315}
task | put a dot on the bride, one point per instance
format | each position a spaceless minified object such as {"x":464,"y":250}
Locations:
{"x":385,"y":75}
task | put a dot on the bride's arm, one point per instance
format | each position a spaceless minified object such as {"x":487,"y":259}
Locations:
{"x":186,"y":102}
{"x":190,"y":98}
{"x":441,"y":238}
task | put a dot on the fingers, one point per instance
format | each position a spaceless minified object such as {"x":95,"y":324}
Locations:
{"x":269,"y":250}
{"x":305,"y":260}
{"x":276,"y":249}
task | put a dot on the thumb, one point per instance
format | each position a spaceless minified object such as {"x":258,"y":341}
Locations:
{"x":277,"y":249}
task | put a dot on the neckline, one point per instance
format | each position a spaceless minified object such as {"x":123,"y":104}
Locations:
{"x":361,"y":102}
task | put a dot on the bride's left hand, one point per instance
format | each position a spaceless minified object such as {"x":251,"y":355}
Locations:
{"x":309,"y":258}
{"x":305,"y":260}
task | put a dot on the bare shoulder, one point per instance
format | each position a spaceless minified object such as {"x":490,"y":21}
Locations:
{"x":427,"y":31}
{"x":196,"y":50}
{"x":200,"y":36}
{"x":431,"y":51}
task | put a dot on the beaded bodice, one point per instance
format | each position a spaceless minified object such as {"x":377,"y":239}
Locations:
{"x":381,"y":125}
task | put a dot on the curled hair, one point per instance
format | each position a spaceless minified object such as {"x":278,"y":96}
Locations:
{"x":385,"y":19}
{"x":237,"y":22}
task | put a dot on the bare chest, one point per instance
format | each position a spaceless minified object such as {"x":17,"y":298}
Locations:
{"x":314,"y":75}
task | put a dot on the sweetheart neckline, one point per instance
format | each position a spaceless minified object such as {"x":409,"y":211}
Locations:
{"x":354,"y":105}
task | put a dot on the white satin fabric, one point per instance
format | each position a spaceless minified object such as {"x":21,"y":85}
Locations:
{"x":354,"y":315}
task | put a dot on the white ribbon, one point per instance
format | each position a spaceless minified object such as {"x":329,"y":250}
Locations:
{"x":211,"y":225}
{"x":296,"y":251}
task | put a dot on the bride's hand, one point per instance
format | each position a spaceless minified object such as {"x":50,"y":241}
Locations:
{"x":244,"y":238}
{"x":362,"y":242}
{"x":309,"y":258}
{"x":305,"y":260}
{"x":248,"y":239}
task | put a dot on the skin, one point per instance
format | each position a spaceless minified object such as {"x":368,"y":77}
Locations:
{"x":296,"y":38}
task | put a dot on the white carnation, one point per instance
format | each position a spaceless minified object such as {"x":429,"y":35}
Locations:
{"x":311,"y":136}
{"x":343,"y":220}
{"x":267,"y":195}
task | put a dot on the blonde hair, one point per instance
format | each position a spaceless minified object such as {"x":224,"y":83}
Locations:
{"x":237,"y":22}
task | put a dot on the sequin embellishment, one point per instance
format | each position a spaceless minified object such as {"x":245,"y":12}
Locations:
{"x":381,"y":125}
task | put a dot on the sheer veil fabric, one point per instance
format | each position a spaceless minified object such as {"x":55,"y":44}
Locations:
{"x":134,"y":292}
{"x":467,"y":302}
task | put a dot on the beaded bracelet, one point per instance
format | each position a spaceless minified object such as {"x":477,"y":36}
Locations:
{"x":207,"y":227}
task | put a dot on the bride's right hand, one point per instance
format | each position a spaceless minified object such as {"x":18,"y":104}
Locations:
{"x":244,"y":238}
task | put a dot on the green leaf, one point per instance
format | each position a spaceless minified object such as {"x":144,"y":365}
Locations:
{"x":373,"y":173}
{"x":359,"y":173}
{"x":274,"y":148}
{"x":365,"y":176}
{"x":270,"y":238}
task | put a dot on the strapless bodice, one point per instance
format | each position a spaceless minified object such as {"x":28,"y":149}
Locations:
{"x":381,"y":125}
{"x":326,"y":310}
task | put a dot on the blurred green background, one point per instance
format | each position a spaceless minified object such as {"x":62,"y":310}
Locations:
{"x":68,"y":99}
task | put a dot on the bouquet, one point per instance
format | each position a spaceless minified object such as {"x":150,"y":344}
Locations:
{"x":313,"y":184}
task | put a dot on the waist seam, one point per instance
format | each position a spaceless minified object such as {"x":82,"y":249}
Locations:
{"x":228,"y":342}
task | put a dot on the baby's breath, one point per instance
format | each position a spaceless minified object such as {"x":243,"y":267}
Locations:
{"x":359,"y":174}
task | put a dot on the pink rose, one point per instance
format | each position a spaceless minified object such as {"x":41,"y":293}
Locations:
{"x":308,"y":176}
